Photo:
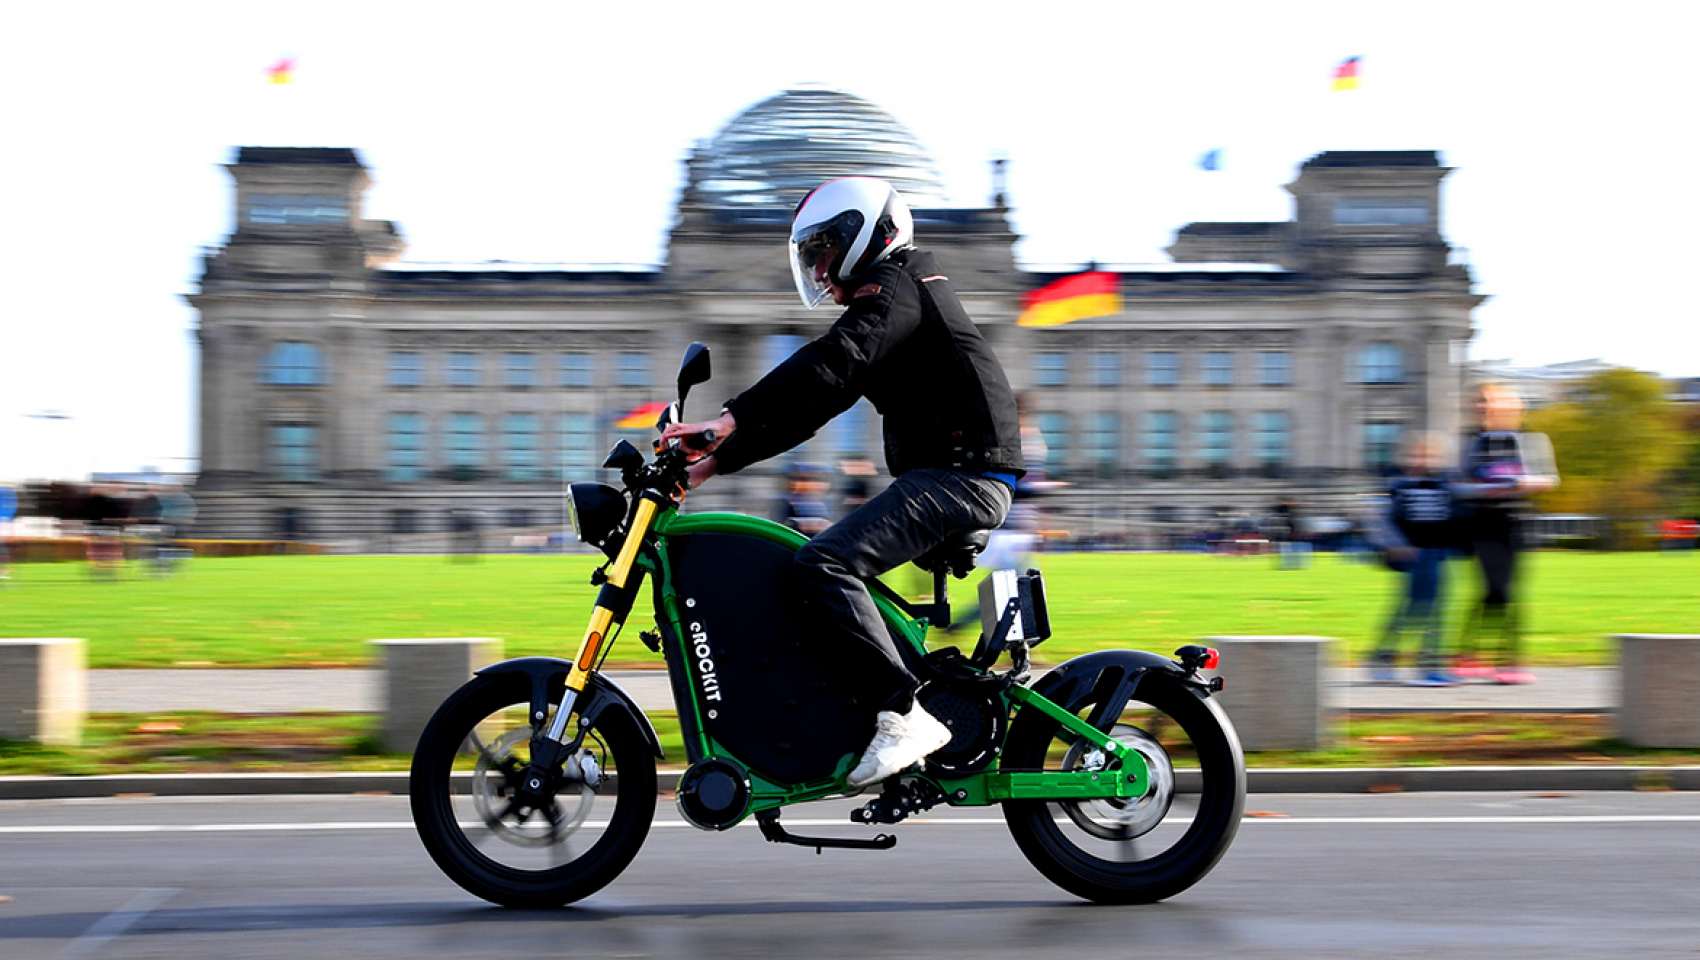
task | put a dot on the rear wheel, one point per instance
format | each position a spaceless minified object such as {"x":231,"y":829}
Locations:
{"x":1138,"y":850}
{"x":518,"y":839}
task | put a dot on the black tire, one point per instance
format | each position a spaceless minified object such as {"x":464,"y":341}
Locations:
{"x":1220,"y":804}
{"x":458,"y":856}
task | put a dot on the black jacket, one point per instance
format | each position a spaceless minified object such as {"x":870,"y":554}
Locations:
{"x":907,"y":345}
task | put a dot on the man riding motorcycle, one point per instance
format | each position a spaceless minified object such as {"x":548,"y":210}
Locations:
{"x":952,"y":435}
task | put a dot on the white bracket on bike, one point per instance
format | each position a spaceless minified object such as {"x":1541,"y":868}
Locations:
{"x":1033,"y":624}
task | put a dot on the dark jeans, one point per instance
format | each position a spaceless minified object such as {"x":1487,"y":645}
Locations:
{"x":1496,"y":539}
{"x":916,"y":513}
{"x":1419,"y":608}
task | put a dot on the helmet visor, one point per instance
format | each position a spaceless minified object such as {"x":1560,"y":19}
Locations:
{"x":811,"y":262}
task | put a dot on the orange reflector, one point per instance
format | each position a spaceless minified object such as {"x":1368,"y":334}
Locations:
{"x":588,"y":657}
{"x":1211,"y":658}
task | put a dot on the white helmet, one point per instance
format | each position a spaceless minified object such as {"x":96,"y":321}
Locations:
{"x":858,"y":220}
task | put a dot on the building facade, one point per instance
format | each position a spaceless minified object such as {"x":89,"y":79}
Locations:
{"x":351,"y":397}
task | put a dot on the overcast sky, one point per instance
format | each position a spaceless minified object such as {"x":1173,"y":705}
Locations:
{"x":555,"y":132}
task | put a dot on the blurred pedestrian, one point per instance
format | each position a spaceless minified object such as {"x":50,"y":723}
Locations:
{"x":1501,"y":469}
{"x":104,"y":514}
{"x":1415,"y":530}
{"x":858,"y":486}
{"x":8,"y":510}
{"x":803,"y":505}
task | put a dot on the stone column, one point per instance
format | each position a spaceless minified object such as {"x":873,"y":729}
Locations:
{"x":1658,"y":675}
{"x":43,"y":690}
{"x":1275,"y":690}
{"x":419,"y":675}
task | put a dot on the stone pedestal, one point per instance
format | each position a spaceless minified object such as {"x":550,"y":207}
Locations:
{"x":419,"y":675}
{"x":1275,"y":690}
{"x":1658,"y":696}
{"x":43,"y":690}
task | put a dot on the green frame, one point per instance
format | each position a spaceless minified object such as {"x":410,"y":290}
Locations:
{"x":988,"y":786}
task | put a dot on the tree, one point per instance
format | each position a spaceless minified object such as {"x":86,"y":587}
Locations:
{"x":1616,"y":441}
{"x":1685,"y":479}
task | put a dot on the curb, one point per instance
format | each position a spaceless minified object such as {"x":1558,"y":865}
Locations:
{"x":1258,"y":780}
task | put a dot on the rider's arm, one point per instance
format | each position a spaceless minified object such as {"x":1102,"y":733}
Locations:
{"x":821,"y":380}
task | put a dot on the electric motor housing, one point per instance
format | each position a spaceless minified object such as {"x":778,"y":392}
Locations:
{"x":713,"y":794}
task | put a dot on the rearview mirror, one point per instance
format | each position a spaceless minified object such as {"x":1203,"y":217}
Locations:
{"x":693,"y":369}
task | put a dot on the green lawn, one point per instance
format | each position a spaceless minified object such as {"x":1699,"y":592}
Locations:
{"x":297,"y":611}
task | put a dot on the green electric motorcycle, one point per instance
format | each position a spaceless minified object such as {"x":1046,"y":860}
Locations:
{"x":535,"y":783}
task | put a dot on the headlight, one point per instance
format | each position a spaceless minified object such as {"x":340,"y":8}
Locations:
{"x":594,"y":510}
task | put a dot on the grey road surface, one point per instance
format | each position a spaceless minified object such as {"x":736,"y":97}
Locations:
{"x":1573,"y":689}
{"x":1452,"y":875}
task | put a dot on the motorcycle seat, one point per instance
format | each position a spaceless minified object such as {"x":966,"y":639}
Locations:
{"x":956,"y":554}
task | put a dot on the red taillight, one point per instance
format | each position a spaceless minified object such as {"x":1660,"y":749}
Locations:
{"x":1211,"y":658}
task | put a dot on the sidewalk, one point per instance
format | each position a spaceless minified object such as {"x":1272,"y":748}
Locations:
{"x":1557,"y":689}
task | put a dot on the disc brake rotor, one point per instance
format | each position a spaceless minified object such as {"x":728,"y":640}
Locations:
{"x":1116,"y":818}
{"x":494,"y":794}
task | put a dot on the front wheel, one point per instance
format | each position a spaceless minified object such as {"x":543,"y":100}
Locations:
{"x":1138,"y":850}
{"x":522,"y":847}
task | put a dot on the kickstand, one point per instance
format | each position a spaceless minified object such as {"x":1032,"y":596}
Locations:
{"x":768,"y":821}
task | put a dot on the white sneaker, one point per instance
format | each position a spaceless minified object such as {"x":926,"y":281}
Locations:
{"x":900,"y":741}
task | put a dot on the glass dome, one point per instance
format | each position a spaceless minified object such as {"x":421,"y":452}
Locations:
{"x":776,"y":151}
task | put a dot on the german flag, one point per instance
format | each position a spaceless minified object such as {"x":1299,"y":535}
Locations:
{"x":1346,"y":74}
{"x":641,"y":417}
{"x":1095,"y":293}
{"x":281,"y":72}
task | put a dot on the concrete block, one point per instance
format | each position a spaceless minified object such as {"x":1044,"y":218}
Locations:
{"x":43,"y":689}
{"x":419,"y":674}
{"x":1276,"y":690}
{"x":1658,"y":697}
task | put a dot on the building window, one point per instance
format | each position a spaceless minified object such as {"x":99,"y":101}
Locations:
{"x":633,"y":369}
{"x":1216,"y":440}
{"x":1158,"y":452}
{"x":576,"y":442}
{"x":1381,"y":363}
{"x":463,"y":369}
{"x":1381,"y":446}
{"x":1380,"y":212}
{"x":403,"y":521}
{"x":519,"y":370}
{"x":576,"y":370}
{"x":295,"y":451}
{"x":283,"y":208}
{"x":407,"y":369}
{"x":465,"y":444}
{"x":1274,"y":368}
{"x":1050,"y":368}
{"x":1218,"y":368}
{"x":1104,"y":441}
{"x":519,"y":447}
{"x":1162,"y":368}
{"x":294,"y":364}
{"x":407,"y":447}
{"x":1106,"y":368}
{"x":1273,"y":441}
{"x":1053,"y":429}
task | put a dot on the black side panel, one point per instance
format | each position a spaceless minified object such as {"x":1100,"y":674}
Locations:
{"x":782,"y":704}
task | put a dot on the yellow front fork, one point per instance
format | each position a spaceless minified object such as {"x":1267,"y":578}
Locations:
{"x":601,"y":618}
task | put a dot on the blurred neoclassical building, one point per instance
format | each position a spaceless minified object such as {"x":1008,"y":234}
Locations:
{"x":349,"y":396}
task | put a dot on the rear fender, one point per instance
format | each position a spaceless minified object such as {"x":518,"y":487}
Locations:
{"x":548,"y":678}
{"x":1115,"y":673}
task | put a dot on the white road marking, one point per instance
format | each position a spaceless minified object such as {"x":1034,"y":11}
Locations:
{"x":114,"y":924}
{"x":334,"y":825}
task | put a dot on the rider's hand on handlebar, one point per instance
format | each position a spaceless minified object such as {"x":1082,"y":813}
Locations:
{"x":699,"y":472}
{"x":700,"y":439}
